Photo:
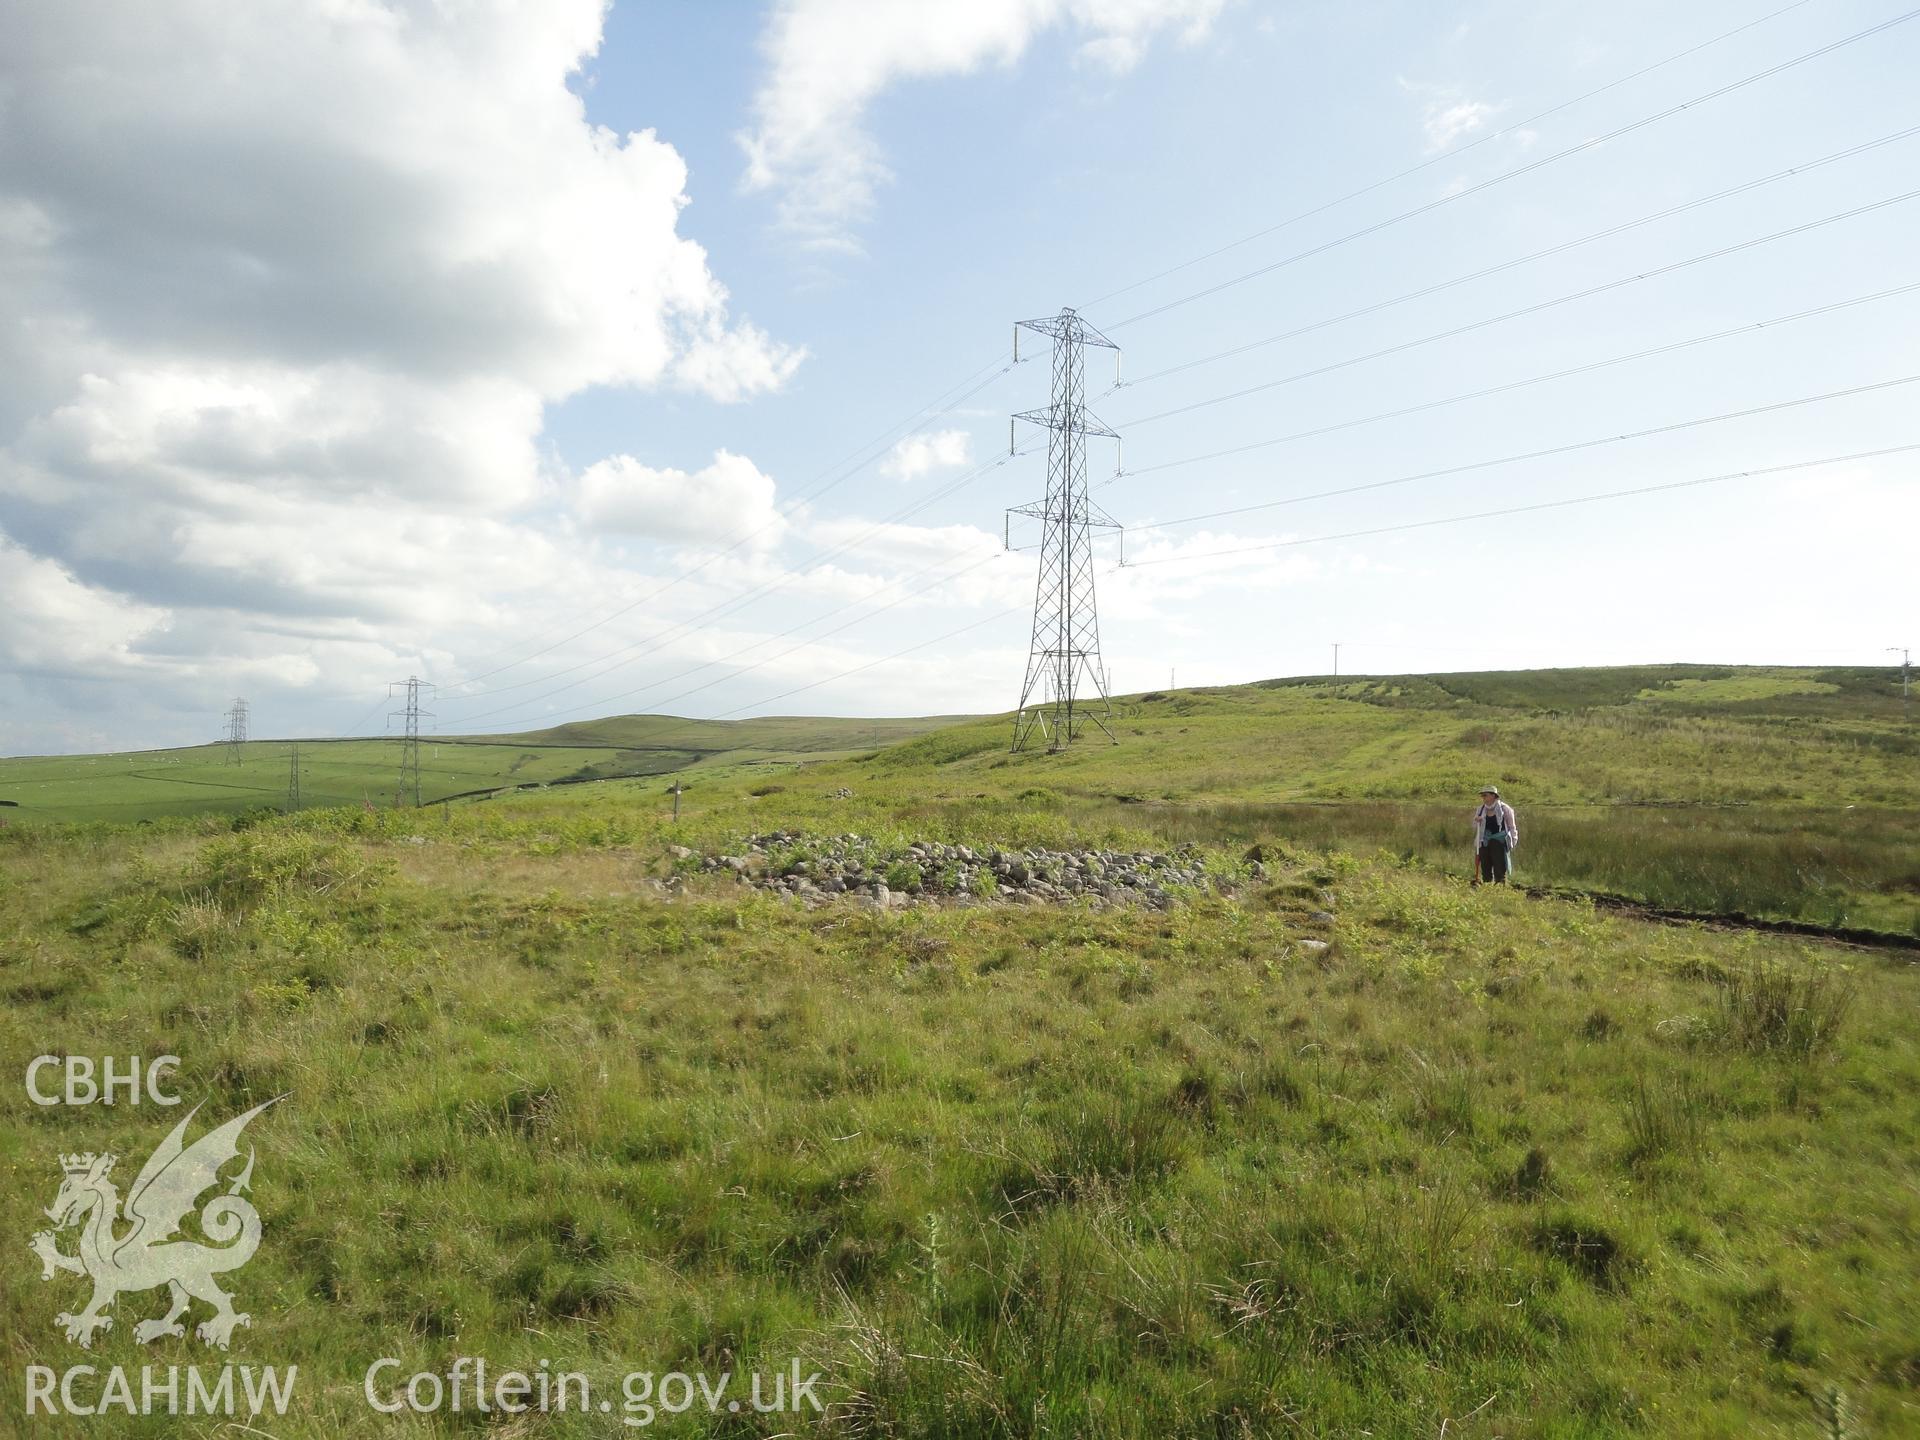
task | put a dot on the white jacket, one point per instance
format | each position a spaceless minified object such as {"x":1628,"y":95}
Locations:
{"x":1508,"y":822}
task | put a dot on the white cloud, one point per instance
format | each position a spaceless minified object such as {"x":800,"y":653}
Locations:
{"x":828,"y":60}
{"x":205,"y":432}
{"x":1116,"y":54}
{"x":919,"y":455}
{"x":288,"y":288}
{"x":414,"y":188}
{"x":1448,"y":124}
{"x":56,"y":623}
{"x":727,"y":498}
{"x":734,"y":364}
{"x":1448,"y":115}
{"x":924,"y":575}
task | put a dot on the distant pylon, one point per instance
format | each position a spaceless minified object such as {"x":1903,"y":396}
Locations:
{"x":236,"y":731}
{"x":293,"y":781}
{"x":410,"y":736}
{"x":1065,"y":650}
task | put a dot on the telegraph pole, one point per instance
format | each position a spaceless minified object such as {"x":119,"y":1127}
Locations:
{"x":1336,"y":659}
{"x":410,"y":735}
{"x":1065,"y":649}
{"x":293,"y":781}
{"x":236,"y":731}
{"x":1906,"y":679}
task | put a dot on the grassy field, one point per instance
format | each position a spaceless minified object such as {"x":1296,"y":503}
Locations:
{"x":204,"y":780}
{"x":1357,"y":1151}
{"x":1773,"y":792}
{"x":1768,"y":791}
{"x":1510,"y":1167}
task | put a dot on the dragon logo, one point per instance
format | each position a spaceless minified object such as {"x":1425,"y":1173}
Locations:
{"x":150,"y":1254}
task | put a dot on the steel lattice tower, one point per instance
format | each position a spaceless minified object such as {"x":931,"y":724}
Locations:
{"x":236,"y":731}
{"x":1064,"y":675}
{"x":410,"y":736}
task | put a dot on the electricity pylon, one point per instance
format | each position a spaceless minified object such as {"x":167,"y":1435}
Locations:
{"x":236,"y":731}
{"x":410,"y":735}
{"x":1065,"y":681}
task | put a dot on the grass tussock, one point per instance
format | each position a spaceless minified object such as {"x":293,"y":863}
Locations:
{"x":261,"y":865}
{"x":1664,"y":1118}
{"x":1776,"y":1007}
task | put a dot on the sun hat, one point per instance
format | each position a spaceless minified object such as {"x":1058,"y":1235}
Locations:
{"x":1493,"y":790}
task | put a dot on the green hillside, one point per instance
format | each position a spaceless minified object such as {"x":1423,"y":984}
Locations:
{"x":204,"y":780}
{"x":1665,"y":734}
{"x":1335,"y":1146}
{"x":810,"y":735}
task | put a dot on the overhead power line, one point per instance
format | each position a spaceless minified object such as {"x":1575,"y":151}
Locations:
{"x":1536,"y":454}
{"x":1527,"y":169}
{"x":1530,"y":509}
{"x":378,"y":706}
{"x":1511,"y":385}
{"x":1447,"y":155}
{"x":1587,"y":239}
{"x":1523,"y":311}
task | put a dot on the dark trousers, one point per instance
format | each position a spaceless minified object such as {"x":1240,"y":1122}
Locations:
{"x":1493,"y":862}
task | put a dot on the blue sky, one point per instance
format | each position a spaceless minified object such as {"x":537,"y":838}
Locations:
{"x":874,"y":204}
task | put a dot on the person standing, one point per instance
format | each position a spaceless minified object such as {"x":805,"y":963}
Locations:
{"x":1496,"y":835}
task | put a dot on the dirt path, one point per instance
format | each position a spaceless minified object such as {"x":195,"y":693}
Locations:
{"x":1624,"y":904}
